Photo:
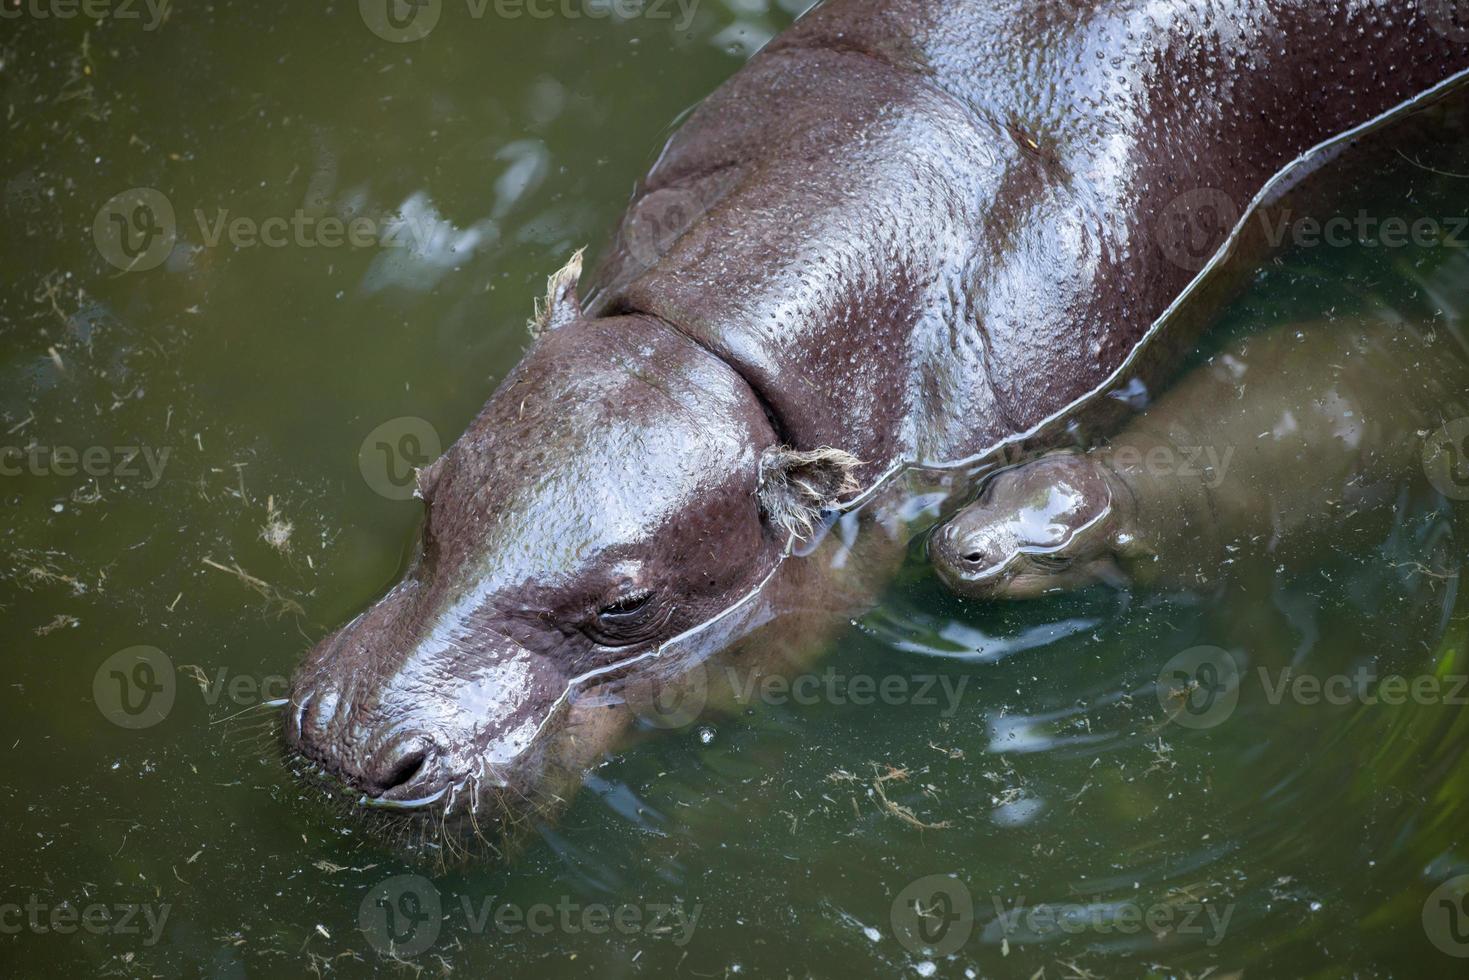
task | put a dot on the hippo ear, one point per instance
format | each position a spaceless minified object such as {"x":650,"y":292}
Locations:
{"x":427,"y":478}
{"x":795,"y":487}
{"x":561,"y":305}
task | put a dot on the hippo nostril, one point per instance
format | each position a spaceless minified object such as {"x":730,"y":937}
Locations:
{"x":406,"y":764}
{"x":950,"y":546}
{"x":404,"y":768}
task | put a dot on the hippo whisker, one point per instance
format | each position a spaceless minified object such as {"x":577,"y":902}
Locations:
{"x":474,"y":824}
{"x":260,"y":706}
{"x":252,"y":742}
{"x":382,"y":803}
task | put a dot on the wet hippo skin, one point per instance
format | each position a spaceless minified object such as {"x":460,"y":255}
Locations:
{"x":904,"y":230}
{"x":926,"y":225}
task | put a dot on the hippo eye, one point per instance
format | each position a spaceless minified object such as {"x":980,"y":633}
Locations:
{"x":626,"y":607}
{"x":628,"y":619}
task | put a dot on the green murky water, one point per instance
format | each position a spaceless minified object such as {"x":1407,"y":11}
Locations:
{"x":218,"y":510}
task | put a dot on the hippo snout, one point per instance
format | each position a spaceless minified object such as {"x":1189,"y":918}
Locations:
{"x":962,"y":551}
{"x":403,"y":762}
{"x":400,"y":716}
{"x":957,"y":544}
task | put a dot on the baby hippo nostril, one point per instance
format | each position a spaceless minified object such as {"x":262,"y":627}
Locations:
{"x":950,"y":547}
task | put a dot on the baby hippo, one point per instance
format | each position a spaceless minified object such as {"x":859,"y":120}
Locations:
{"x":1293,"y":440}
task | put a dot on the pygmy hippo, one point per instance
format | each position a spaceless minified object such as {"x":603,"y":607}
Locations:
{"x":905,"y":230}
{"x":1291,"y":443}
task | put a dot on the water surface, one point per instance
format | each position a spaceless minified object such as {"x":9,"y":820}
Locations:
{"x":1024,"y":754}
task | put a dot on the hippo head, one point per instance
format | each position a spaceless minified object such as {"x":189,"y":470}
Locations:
{"x":621,"y":487}
{"x":1049,"y":525}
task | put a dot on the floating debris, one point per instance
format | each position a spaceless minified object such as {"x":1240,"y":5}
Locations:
{"x":277,"y":530}
{"x":268,"y":592}
{"x":61,"y":621}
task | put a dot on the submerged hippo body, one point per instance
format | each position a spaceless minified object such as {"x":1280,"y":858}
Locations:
{"x":1292,"y":444}
{"x":905,"y":230}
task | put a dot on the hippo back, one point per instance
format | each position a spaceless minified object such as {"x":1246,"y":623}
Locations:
{"x":917,"y":227}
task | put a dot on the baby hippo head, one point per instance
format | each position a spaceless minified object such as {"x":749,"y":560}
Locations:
{"x":621,"y":487}
{"x":1049,"y":525}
